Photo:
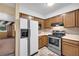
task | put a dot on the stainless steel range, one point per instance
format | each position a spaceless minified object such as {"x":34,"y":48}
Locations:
{"x":54,"y":41}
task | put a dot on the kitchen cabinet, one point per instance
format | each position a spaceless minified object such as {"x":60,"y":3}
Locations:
{"x":69,"y":19}
{"x":70,"y":47}
{"x":47,"y":24}
{"x":43,"y":41}
{"x":77,"y":18}
{"x":41,"y":24}
{"x":56,"y":19}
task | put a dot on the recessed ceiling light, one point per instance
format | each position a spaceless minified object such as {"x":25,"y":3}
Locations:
{"x":50,"y":4}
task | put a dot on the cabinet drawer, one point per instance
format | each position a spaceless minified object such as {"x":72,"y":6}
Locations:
{"x":68,"y":43}
{"x":71,"y":41}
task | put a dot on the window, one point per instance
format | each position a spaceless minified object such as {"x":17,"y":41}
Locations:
{"x":2,"y":28}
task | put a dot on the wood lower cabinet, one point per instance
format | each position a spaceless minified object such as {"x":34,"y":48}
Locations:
{"x":70,"y":48}
{"x":69,"y":19}
{"x":43,"y":41}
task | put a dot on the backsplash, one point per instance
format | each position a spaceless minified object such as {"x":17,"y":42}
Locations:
{"x":72,"y":31}
{"x":68,"y":30}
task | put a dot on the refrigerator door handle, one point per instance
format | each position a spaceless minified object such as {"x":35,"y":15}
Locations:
{"x":29,"y":35}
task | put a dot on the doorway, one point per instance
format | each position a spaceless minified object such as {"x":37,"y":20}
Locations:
{"x":7,"y":38}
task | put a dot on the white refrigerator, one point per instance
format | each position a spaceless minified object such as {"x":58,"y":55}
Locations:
{"x":28,"y":43}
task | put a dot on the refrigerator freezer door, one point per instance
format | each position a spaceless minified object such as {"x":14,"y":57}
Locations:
{"x":23,"y":47}
{"x":33,"y":37}
{"x":24,"y":39}
{"x":23,"y":23}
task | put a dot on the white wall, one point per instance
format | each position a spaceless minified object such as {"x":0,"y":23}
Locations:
{"x":7,"y":13}
{"x":64,"y":10}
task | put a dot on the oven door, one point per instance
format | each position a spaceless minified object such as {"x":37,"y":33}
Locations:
{"x":55,"y":42}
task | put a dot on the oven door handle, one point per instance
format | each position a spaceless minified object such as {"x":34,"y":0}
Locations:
{"x":54,"y":38}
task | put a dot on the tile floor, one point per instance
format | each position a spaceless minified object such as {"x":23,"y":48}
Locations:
{"x":45,"y":52}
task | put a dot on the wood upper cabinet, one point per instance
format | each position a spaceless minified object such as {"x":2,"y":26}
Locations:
{"x":41,"y":23}
{"x":69,"y":19}
{"x":47,"y":24}
{"x":77,"y":18}
{"x":43,"y":40}
{"x":70,"y":48}
{"x":56,"y":19}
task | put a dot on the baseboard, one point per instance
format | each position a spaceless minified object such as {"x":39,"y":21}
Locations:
{"x":34,"y":53}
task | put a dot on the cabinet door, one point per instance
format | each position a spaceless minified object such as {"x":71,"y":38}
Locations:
{"x":69,"y":49}
{"x":77,"y":18}
{"x":42,"y":41}
{"x":45,"y":40}
{"x":47,"y":24}
{"x":59,"y":19}
{"x":56,"y":19}
{"x":69,"y":19}
{"x":41,"y":22}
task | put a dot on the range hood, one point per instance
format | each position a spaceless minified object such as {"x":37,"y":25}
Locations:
{"x":57,"y":24}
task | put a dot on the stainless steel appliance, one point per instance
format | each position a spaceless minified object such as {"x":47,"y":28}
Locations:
{"x":54,"y":41}
{"x":57,"y":24}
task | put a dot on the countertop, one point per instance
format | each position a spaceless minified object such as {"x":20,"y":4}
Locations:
{"x":71,"y":37}
{"x":45,"y":33}
{"x":67,"y":36}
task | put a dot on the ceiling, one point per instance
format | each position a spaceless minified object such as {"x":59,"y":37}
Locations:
{"x":43,"y":9}
{"x":5,"y":23}
{"x":40,"y":8}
